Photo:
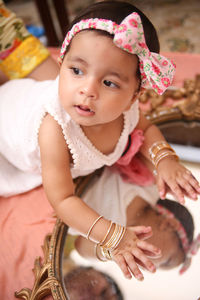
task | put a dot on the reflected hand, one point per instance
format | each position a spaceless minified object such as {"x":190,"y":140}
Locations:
{"x":133,"y":251}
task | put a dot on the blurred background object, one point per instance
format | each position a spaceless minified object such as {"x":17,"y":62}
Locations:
{"x":177,"y":21}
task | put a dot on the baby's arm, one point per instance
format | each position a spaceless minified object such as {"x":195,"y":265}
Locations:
{"x":58,"y":182}
{"x":59,"y":187}
{"x":171,"y":175}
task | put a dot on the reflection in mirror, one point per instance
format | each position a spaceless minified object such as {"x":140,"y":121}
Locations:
{"x":156,"y":286}
{"x":180,"y":125}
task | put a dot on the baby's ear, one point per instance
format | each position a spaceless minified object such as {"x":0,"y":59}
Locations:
{"x":141,"y":91}
{"x":137,"y":94}
{"x":134,"y":97}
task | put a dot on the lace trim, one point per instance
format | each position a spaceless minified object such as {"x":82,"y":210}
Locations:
{"x":57,"y":114}
{"x":109,"y":156}
{"x":134,"y":109}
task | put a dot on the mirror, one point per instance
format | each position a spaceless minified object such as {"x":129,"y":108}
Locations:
{"x":180,"y":123}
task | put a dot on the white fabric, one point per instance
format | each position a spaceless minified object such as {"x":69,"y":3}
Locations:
{"x":23,"y":104}
{"x":110,"y":196}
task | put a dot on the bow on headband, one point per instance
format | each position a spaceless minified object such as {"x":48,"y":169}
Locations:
{"x":155,"y":69}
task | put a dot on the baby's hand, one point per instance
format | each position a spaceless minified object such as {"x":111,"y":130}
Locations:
{"x":133,"y":251}
{"x":175,"y":178}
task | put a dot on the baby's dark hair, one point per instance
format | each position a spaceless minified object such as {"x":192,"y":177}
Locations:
{"x":182,"y":214}
{"x":116,"y":11}
{"x":115,"y":286}
{"x":75,"y":280}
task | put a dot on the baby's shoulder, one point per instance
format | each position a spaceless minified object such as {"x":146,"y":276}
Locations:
{"x":49,"y":128}
{"x":49,"y":123}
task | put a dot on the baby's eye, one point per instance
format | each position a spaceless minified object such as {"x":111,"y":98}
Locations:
{"x":77,"y":71}
{"x":110,"y":84}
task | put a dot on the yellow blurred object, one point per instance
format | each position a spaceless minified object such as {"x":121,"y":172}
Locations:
{"x":24,"y":59}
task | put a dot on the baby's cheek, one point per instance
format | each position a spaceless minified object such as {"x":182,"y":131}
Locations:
{"x":179,"y":258}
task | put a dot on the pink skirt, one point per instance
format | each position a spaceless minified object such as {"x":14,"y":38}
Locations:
{"x":25,"y":220}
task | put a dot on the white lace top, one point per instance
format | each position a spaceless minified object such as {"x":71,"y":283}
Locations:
{"x":23,"y":105}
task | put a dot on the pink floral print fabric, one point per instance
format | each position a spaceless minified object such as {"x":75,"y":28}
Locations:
{"x":156,"y":70}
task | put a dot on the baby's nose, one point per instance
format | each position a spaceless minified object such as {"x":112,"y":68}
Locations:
{"x":90,"y":89}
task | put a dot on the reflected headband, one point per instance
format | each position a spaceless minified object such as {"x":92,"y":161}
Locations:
{"x":155,"y":69}
{"x":189,"y":249}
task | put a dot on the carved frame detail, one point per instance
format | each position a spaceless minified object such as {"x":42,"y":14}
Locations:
{"x":47,"y":276}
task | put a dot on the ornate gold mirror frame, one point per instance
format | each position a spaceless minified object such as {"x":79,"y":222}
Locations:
{"x":185,"y":108}
{"x":48,"y":275}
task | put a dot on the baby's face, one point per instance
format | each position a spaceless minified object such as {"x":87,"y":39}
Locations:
{"x":165,"y":237}
{"x":98,"y":80}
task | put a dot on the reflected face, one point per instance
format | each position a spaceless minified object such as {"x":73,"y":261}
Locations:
{"x":89,"y":283}
{"x":165,"y":237}
{"x":97,"y":79}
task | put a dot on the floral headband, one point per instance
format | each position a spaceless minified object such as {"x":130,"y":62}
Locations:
{"x":189,"y":249}
{"x":155,"y":69}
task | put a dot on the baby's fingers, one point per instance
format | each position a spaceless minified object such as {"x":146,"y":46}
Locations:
{"x":142,"y":232}
{"x":146,"y":262}
{"x":176,"y":190}
{"x":141,"y":229}
{"x":129,"y":258}
{"x":147,"y":247}
{"x":120,"y":260}
{"x":145,"y":236}
{"x":161,"y":187}
{"x":186,"y":186}
{"x":192,"y":181}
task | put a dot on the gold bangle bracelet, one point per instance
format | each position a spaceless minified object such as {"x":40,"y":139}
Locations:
{"x":163,"y":153}
{"x":171,"y":154}
{"x":91,"y":227}
{"x":109,"y":243}
{"x":115,"y":239}
{"x":106,"y":253}
{"x":96,"y":253}
{"x":157,"y":147}
{"x":121,"y":236}
{"x":107,"y":233}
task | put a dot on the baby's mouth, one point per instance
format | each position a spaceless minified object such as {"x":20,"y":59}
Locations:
{"x":84,"y":109}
